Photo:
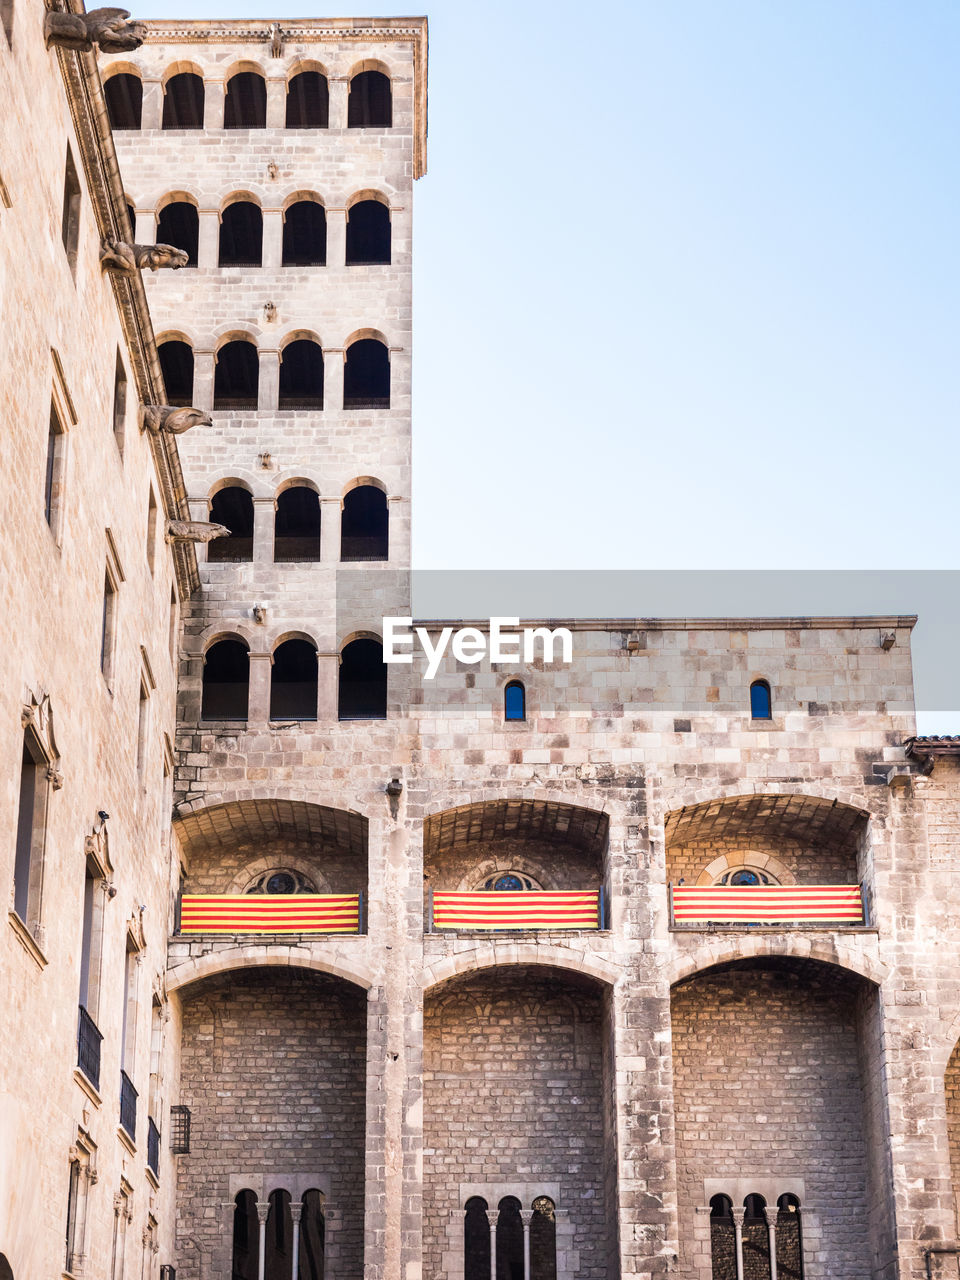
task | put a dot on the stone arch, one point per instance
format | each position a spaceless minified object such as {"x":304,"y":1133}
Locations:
{"x":298,"y":335}
{"x":305,"y":64}
{"x":229,"y":482}
{"x":696,"y":793}
{"x":179,"y":68}
{"x":368,"y":193}
{"x":216,"y":632}
{"x":359,"y":635}
{"x":252,"y":870}
{"x":363,"y":335}
{"x":176,"y":197}
{"x":241,"y":65}
{"x":121,"y":68}
{"x":283,"y":636}
{"x":240,"y":197}
{"x":297,"y":197}
{"x":236,"y":333}
{"x":746,"y":857}
{"x":370,"y":64}
{"x":501,"y":953}
{"x":185,"y":975}
{"x":177,"y":335}
{"x":723,"y":950}
{"x":359,"y":482}
{"x":295,"y":481}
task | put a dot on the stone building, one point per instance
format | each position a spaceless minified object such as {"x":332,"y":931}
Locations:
{"x":636,"y":965}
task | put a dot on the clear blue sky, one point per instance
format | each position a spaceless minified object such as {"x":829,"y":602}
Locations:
{"x":687,"y":283}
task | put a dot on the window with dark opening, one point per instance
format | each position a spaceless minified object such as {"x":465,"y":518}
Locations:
{"x":179,"y":225}
{"x":70,"y":225}
{"x":54,"y":473}
{"x":760,"y":704}
{"x":363,"y":681}
{"x":91,"y":944}
{"x":132,"y":215}
{"x":124,"y":96}
{"x":245,"y":104}
{"x":278,"y":1258}
{"x":153,"y":521}
{"x":364,"y":528}
{"x":368,"y":233}
{"x":370,"y":105}
{"x":226,"y":681}
{"x":143,"y":727}
{"x":305,"y":235}
{"x":301,"y":375}
{"x":543,"y":1240}
{"x":183,"y":102}
{"x":789,"y":1239}
{"x":233,"y":507}
{"x":755,"y":1238}
{"x":246,"y":1237}
{"x":509,"y":1240}
{"x":293,"y":681}
{"x":514,"y":701}
{"x":476,"y":1240}
{"x":73,"y":1199}
{"x":308,"y":101}
{"x":119,"y":401}
{"x":723,"y":1241}
{"x":6,"y":20}
{"x":237,"y":379}
{"x":241,"y":235}
{"x":176,"y":364}
{"x":366,"y":375}
{"x":31,"y":826}
{"x":296,"y":528}
{"x":108,"y":624}
{"x":311,"y":1236}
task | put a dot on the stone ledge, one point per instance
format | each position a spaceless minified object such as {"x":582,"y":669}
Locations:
{"x":27,"y":940}
{"x":88,"y":1087}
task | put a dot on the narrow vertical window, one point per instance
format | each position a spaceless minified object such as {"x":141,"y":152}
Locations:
{"x":476,"y":1240}
{"x":54,"y":473}
{"x":128,"y":1041}
{"x":789,"y":1238}
{"x":723,"y":1240}
{"x":119,"y":402}
{"x":73,"y":1199}
{"x":70,"y":227}
{"x":143,"y":727}
{"x":151,"y":529}
{"x":6,"y":19}
{"x":173,"y":625}
{"x":153,"y":1097}
{"x":760,"y":703}
{"x":514,"y":701}
{"x":31,"y":833}
{"x":89,"y":1037}
{"x":108,"y":625}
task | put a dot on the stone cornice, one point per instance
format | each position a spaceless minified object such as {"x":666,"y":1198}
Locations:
{"x":854,"y":623}
{"x":88,"y":111}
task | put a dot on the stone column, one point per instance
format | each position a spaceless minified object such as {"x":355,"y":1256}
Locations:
{"x":264,"y":517}
{"x":204,"y":373}
{"x":208,"y":242}
{"x":336,"y":237}
{"x":526,"y":1217}
{"x":339,"y":87}
{"x":214,"y":92}
{"x":333,"y":360}
{"x":738,"y":1240}
{"x":296,"y":1208}
{"x":330,"y":514}
{"x":328,"y":677}
{"x":276,"y":106}
{"x":269,"y":392}
{"x":263,"y":1212}
{"x":398,"y":532}
{"x":272,"y":239}
{"x":200,"y":510}
{"x":151,"y":115}
{"x":771,"y":1217}
{"x":492,"y":1216}
{"x":145,"y":227}
{"x":258,"y":700}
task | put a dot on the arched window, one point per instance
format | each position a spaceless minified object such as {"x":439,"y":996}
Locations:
{"x":226,"y":681}
{"x":789,"y":1239}
{"x":236,"y":382}
{"x":278,"y":1257}
{"x":245,"y":104}
{"x":176,"y":363}
{"x":246,"y":1237}
{"x":280,"y":880}
{"x":305,"y":235}
{"x":760,"y":705}
{"x":476,"y":1240}
{"x":543,"y":1240}
{"x":509,"y":882}
{"x":366,"y":375}
{"x":301,"y":375}
{"x":370,"y":105}
{"x":31,"y":831}
{"x":308,"y":101}
{"x":296,"y":526}
{"x":747,"y":876}
{"x":509,"y":1240}
{"x":241,"y":235}
{"x":368,"y":233}
{"x":311,"y":1236}
{"x":124,"y":95}
{"x":233,"y":507}
{"x":363,"y":681}
{"x":179,"y":224}
{"x":364,"y":524}
{"x":755,"y":1237}
{"x":723,"y":1239}
{"x":132,"y":215}
{"x":293,"y":681}
{"x":183,"y":102}
{"x":515,"y":701}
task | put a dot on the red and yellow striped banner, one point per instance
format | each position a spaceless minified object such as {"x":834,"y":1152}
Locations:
{"x":758,"y":904}
{"x":532,"y":909}
{"x":270,"y":913}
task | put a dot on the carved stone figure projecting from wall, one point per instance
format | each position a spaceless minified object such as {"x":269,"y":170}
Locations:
{"x":117,"y":255}
{"x":107,"y":28}
{"x":165,"y":417}
{"x":195,"y":531}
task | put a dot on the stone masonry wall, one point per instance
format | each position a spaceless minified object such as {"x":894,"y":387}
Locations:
{"x":805,"y":863}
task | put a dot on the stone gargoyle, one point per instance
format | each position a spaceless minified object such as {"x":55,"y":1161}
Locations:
{"x":126,"y":259}
{"x":195,"y":531}
{"x":166,"y":417}
{"x":108,"y":28}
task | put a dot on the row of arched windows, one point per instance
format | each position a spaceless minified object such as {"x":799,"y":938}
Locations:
{"x":364,"y":524}
{"x":369,"y":101}
{"x":368,"y":240}
{"x":290,"y":1231}
{"x":505,"y":1240}
{"x":767,"y":1242}
{"x":236,"y":383}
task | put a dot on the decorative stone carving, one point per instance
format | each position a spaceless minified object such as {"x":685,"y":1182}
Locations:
{"x":108,"y":28}
{"x":195,"y":531}
{"x":165,"y":417}
{"x":36,"y":713}
{"x":125,"y":259}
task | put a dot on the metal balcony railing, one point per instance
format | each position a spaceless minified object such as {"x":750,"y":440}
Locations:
{"x":270,"y":913}
{"x":363,"y":547}
{"x":366,"y":402}
{"x":527,"y":909}
{"x":128,"y":1106}
{"x":89,"y":1040}
{"x":153,"y":1147}
{"x":697,"y":906}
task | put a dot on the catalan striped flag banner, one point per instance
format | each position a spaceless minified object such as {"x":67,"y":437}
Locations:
{"x":530,"y":909}
{"x":768,"y":903}
{"x":270,"y":913}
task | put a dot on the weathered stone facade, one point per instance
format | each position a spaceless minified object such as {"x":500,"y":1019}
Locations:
{"x":629,"y":1074}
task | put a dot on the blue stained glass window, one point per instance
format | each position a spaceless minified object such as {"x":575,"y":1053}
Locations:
{"x":508,"y":883}
{"x":514,"y":701}
{"x":760,"y":700}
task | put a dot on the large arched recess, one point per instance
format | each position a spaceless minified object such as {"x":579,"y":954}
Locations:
{"x":519,"y":1099}
{"x":777,"y":1078}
